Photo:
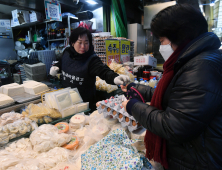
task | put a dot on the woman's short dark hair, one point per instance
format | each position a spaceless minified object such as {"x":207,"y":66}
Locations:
{"x":179,"y":23}
{"x":79,"y":32}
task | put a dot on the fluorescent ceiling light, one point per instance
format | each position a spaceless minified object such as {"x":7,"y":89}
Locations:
{"x":200,"y":6}
{"x":92,"y":2}
{"x":212,"y":4}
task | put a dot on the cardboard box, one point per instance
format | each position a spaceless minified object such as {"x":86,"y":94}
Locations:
{"x":36,"y":16}
{"x":145,"y":60}
{"x":20,"y":17}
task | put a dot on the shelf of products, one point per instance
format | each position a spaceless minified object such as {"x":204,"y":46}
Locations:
{"x":60,"y":39}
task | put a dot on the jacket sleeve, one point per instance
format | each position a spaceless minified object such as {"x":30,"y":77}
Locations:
{"x":97,"y":68}
{"x":146,"y":91}
{"x":192,"y":104}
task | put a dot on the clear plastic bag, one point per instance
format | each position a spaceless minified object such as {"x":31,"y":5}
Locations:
{"x":11,"y":117}
{"x":47,"y":137}
{"x":114,"y":66}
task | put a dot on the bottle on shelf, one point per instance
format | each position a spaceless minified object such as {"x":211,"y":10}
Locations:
{"x":142,"y":82}
{"x":59,"y":33}
{"x":146,"y":83}
{"x":49,"y":34}
{"x":62,"y":35}
{"x":136,"y":82}
{"x":153,"y":82}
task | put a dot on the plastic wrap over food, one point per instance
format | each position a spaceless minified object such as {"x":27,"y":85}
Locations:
{"x":11,"y":117}
{"x":77,"y":121}
{"x":114,"y":65}
{"x":28,"y":164}
{"x":51,"y":158}
{"x":47,"y":137}
{"x":103,"y":86}
{"x":7,"y":160}
{"x":40,"y":111}
{"x":59,"y":100}
{"x":15,"y":129}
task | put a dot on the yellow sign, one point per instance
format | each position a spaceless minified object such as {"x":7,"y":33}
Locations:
{"x":125,"y":51}
{"x":112,"y":51}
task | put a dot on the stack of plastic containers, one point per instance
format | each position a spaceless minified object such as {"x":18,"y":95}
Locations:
{"x":113,"y":107}
{"x":47,"y":57}
{"x":35,"y":72}
{"x":22,"y":70}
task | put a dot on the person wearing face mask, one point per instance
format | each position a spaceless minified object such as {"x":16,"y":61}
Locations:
{"x":183,"y":121}
{"x":80,"y":65}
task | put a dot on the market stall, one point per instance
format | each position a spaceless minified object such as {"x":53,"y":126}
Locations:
{"x":57,"y":134}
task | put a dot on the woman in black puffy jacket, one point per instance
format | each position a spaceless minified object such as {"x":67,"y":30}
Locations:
{"x":184,"y":120}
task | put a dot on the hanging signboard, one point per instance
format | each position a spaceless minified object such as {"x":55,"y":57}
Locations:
{"x":112,"y":51}
{"x":125,"y":51}
{"x":53,"y":10}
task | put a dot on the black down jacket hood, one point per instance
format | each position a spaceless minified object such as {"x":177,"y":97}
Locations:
{"x":191,"y":119}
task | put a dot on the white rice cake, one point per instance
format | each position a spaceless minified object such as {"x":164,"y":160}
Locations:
{"x":13,"y":89}
{"x":4,"y":100}
{"x":34,"y":87}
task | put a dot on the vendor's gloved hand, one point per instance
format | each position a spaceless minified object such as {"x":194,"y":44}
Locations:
{"x":121,"y":80}
{"x":54,"y":70}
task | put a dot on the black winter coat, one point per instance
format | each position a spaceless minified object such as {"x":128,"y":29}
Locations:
{"x":191,"y":119}
{"x":80,"y":71}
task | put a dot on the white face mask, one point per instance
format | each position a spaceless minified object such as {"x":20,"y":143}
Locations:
{"x":166,"y":51}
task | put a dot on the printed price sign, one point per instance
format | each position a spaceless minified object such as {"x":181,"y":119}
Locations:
{"x":125,"y":50}
{"x":53,"y":10}
{"x":112,"y":51}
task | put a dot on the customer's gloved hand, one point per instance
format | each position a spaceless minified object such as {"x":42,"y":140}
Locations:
{"x":54,"y":70}
{"x":121,"y":80}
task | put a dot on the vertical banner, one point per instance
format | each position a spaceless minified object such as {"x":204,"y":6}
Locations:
{"x":112,"y":51}
{"x":125,"y":51}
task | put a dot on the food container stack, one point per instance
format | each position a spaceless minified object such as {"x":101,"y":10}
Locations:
{"x":35,"y":72}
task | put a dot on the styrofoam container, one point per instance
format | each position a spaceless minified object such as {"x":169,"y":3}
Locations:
{"x":154,"y":73}
{"x":38,"y":77}
{"x":104,"y":34}
{"x":35,"y":69}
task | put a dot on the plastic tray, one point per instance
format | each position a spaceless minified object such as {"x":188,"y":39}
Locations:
{"x":6,"y":105}
{"x":25,"y":97}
